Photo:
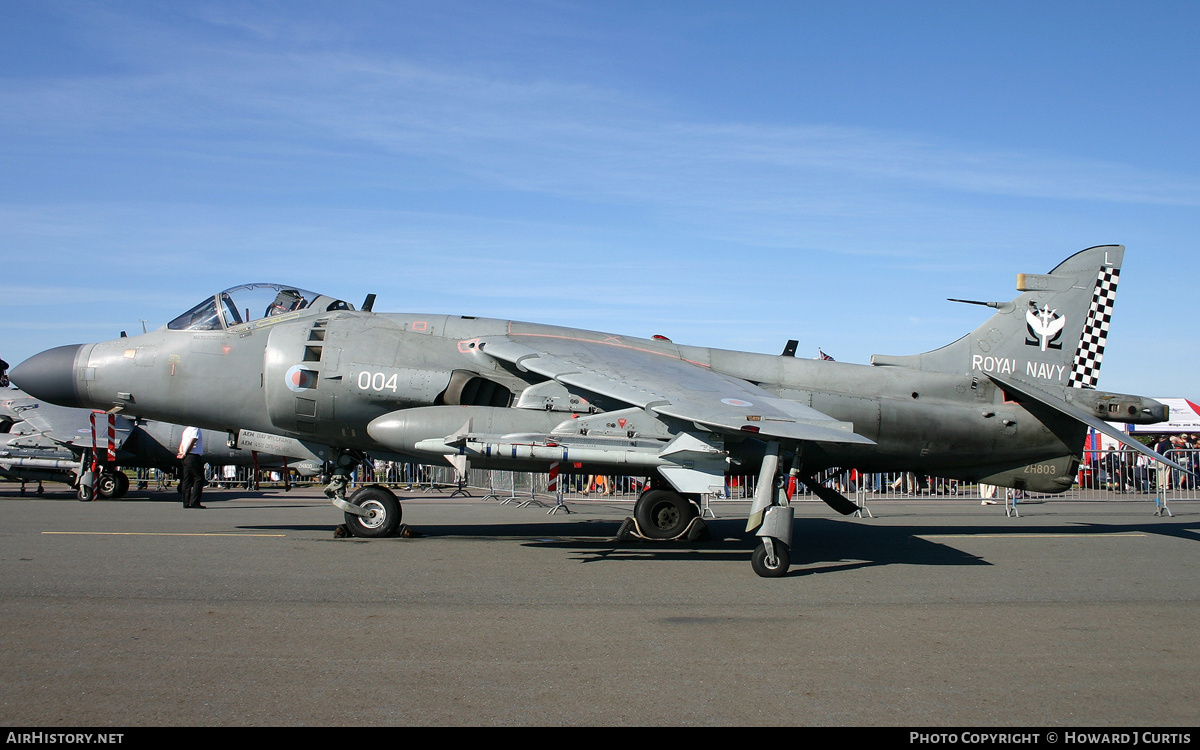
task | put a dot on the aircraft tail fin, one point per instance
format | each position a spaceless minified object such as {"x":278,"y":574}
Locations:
{"x":1053,"y":333}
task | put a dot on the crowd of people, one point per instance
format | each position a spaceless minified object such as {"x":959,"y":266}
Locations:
{"x":1126,"y":471}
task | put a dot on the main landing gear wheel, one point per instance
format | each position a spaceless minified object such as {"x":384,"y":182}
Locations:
{"x":112,"y":484}
{"x":383,"y":513}
{"x":106,"y":484}
{"x":662,"y":514}
{"x":767,"y":567}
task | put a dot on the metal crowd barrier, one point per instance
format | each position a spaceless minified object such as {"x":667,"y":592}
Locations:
{"x":1103,"y":475}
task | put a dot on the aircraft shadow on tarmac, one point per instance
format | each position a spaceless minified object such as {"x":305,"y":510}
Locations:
{"x":830,"y":546}
{"x":823,"y":546}
{"x":820,"y":545}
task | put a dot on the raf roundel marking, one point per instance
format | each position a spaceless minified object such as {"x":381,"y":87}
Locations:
{"x":299,"y":378}
{"x":735,"y":402}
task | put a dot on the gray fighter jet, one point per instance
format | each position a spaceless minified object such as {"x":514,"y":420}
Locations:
{"x":1008,"y":404}
{"x":42,"y":442}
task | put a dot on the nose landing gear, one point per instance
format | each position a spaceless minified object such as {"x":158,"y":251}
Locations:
{"x":372,"y":511}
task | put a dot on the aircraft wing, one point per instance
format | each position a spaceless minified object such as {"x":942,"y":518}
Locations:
{"x":667,"y":385}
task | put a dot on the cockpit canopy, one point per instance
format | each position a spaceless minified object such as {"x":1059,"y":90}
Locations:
{"x":251,"y":302}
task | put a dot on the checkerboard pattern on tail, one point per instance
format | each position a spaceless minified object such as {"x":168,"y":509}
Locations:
{"x":1086,"y":368}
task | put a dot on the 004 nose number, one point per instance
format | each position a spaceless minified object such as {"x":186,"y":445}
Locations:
{"x":377,"y":381}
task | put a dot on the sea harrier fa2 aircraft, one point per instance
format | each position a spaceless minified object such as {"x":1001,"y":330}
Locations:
{"x":1009,"y":404}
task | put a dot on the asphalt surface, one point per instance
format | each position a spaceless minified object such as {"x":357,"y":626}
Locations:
{"x":935,"y":613}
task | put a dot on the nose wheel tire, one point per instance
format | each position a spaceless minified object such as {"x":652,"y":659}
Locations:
{"x":771,"y":568}
{"x":383,"y":513}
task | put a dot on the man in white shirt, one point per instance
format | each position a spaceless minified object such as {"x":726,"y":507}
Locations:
{"x":191,"y":452}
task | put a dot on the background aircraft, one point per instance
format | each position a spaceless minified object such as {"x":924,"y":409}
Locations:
{"x":1008,"y":404}
{"x":40,"y":442}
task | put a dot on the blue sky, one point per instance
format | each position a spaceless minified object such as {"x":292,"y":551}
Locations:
{"x":726,"y":174}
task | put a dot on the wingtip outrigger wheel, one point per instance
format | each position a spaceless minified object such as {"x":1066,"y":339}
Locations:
{"x":772,"y":557}
{"x":771,"y":562}
{"x":85,"y":490}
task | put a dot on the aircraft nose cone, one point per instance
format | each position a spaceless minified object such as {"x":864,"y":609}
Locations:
{"x":50,"y":375}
